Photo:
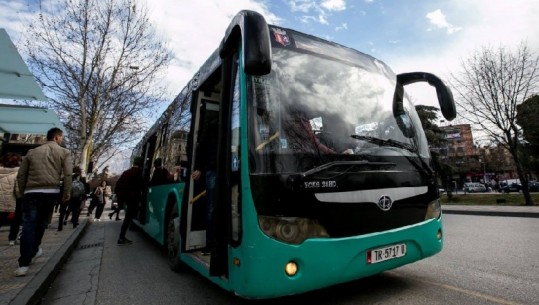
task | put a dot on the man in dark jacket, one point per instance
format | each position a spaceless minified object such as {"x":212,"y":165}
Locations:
{"x":129,"y":192}
{"x":160,"y":174}
{"x":38,"y":178}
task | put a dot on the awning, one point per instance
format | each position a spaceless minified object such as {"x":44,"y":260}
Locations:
{"x":16,"y":81}
{"x":27,"y":120}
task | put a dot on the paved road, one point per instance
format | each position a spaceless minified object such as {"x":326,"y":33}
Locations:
{"x":486,"y":260}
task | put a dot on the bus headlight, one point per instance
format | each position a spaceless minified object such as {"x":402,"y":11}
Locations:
{"x":292,"y":230}
{"x":434,"y":210}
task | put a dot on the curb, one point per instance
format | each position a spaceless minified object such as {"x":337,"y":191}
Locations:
{"x":493,"y":213}
{"x":33,"y":292}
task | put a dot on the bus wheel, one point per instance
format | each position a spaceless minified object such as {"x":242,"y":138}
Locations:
{"x":173,"y":240}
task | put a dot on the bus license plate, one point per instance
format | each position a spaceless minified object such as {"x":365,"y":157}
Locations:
{"x":383,"y":254}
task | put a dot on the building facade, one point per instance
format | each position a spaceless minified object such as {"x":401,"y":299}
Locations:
{"x":471,"y":163}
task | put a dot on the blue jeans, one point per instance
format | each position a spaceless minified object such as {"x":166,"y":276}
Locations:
{"x":210,"y":203}
{"x":36,"y":208}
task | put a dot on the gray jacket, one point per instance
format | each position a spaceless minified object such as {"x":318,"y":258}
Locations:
{"x":44,"y":167}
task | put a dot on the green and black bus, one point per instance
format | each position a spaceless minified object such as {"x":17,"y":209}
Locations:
{"x":323,"y":176}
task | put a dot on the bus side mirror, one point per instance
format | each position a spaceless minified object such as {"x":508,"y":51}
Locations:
{"x":251,"y":29}
{"x":445,"y":97}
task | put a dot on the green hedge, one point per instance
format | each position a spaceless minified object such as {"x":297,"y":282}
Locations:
{"x":488,"y":199}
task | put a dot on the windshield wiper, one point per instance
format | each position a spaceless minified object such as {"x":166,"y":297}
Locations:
{"x":424,"y":167}
{"x":385,"y":142}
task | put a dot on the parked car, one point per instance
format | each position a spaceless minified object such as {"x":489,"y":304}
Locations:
{"x":533,"y":186}
{"x":474,"y":187}
{"x":510,"y":187}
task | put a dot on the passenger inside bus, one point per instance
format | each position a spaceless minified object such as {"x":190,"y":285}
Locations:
{"x":300,"y":135}
{"x":160,"y":174}
{"x":335,"y":134}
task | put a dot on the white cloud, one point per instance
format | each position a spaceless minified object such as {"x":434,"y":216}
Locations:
{"x":303,"y":6}
{"x":194,"y":30}
{"x":438,"y":19}
{"x":333,"y":5}
{"x":484,"y":23}
{"x":316,"y":12}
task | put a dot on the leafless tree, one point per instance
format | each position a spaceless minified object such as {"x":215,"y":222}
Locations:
{"x":493,"y":81}
{"x":100,"y":63}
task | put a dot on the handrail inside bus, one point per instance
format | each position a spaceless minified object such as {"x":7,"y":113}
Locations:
{"x":197,"y":197}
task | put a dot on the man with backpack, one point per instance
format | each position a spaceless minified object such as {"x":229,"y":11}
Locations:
{"x":78,"y":194}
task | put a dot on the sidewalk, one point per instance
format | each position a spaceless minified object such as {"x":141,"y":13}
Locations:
{"x":57,"y":247}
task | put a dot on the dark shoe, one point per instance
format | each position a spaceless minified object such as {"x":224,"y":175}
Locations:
{"x":110,"y":216}
{"x":118,"y":219}
{"x":60,"y":229}
{"x":75,"y":225}
{"x":65,"y":222}
{"x":124,"y":241}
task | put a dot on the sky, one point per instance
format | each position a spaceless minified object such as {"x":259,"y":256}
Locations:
{"x":431,"y":35}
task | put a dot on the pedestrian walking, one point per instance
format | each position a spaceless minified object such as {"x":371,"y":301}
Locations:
{"x":78,"y":195}
{"x":129,"y":191}
{"x":38,"y":178}
{"x":116,"y":209}
{"x":10,"y":206}
{"x":102,"y":193}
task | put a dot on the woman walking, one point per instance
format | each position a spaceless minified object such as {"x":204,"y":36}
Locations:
{"x":10,"y":197}
{"x":102,"y":193}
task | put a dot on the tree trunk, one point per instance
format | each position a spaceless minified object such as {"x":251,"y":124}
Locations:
{"x":523,"y":181}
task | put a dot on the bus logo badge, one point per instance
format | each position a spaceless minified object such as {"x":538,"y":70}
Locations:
{"x":385,"y":203}
{"x":281,"y":37}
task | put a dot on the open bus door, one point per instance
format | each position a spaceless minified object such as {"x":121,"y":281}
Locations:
{"x":208,"y":109}
{"x":250,"y":30}
{"x":222,"y":212}
{"x":147,"y":157}
{"x":213,"y":107}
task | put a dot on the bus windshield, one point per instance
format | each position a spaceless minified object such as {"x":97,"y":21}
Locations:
{"x":313,"y":109}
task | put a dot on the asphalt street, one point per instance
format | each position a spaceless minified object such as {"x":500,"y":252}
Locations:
{"x":72,"y":270}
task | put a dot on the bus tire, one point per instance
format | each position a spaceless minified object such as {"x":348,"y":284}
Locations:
{"x":173,"y":240}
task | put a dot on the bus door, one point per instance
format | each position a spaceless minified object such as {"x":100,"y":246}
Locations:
{"x":215,"y":103}
{"x":207,"y":112}
{"x":226,"y":212}
{"x":147,"y":157}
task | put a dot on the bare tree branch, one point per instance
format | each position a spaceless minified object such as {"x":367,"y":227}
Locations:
{"x":100,"y":63}
{"x":491,"y":85}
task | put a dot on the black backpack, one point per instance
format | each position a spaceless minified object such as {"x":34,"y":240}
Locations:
{"x":77,"y":188}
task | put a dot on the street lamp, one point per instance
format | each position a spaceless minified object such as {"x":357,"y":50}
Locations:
{"x":483,"y":162}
